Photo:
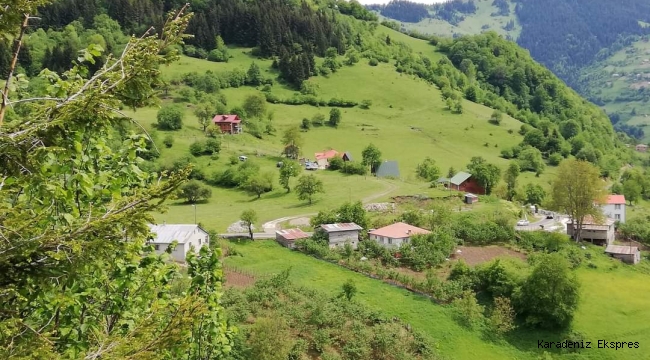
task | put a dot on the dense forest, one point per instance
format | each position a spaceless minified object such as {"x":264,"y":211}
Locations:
{"x":401,"y":10}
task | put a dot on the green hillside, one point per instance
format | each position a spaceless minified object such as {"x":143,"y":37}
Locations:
{"x":620,"y":83}
{"x":407,"y":121}
{"x":486,"y":18}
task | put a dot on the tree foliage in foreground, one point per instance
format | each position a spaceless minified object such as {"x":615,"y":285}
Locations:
{"x":78,"y":279}
{"x":315,"y":324}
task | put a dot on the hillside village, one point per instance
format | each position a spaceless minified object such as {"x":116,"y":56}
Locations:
{"x":250,"y":192}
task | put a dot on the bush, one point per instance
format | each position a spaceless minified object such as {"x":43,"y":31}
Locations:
{"x":373,"y":62}
{"x":194,"y":191}
{"x":306,"y":124}
{"x":365,"y":104}
{"x":336,"y":163}
{"x":318,"y":120}
{"x":468,"y":311}
{"x":354,"y":168}
{"x":205,"y":147}
{"x":168,"y":141}
{"x":218,"y":55}
{"x":170,"y":118}
{"x":555,"y":159}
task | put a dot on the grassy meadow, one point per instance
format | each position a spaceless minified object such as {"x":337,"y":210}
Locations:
{"x":613,"y":305}
{"x":407,"y":121}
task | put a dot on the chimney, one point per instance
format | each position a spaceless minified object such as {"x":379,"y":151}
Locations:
{"x":408,"y":231}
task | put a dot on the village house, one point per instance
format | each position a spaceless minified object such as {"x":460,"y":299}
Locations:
{"x":323,"y":158}
{"x":339,"y":234}
{"x":188,"y":236}
{"x":463,"y":181}
{"x":288,"y":237}
{"x":627,"y":254}
{"x":228,"y":124}
{"x":598,"y":232}
{"x":641,"y":148}
{"x":614,"y":207}
{"x":396,"y":234}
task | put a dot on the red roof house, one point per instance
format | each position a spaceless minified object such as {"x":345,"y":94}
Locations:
{"x":396,"y":234}
{"x":615,"y":200}
{"x":229,"y":124}
{"x":323,"y":158}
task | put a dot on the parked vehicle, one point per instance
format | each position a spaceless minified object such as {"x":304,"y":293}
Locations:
{"x":523,"y":222}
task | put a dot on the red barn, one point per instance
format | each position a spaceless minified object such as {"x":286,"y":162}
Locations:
{"x":465,"y":182}
{"x":229,"y":124}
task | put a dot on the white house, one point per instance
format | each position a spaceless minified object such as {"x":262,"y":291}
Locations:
{"x":614,"y":207}
{"x":187,"y":236}
{"x":396,"y":234}
{"x":340,"y":234}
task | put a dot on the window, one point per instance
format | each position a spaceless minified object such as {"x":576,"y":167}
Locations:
{"x":199,"y":241}
{"x":390,"y":241}
{"x":617,"y":207}
{"x":157,"y":247}
{"x":617,"y":216}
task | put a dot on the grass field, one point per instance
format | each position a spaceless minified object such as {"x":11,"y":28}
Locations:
{"x":613,"y":305}
{"x":407,"y":121}
{"x":472,"y":24}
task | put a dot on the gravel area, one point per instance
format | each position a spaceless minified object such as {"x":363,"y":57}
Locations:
{"x":238,"y":227}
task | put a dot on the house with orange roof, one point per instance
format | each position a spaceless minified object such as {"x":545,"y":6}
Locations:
{"x":614,"y":207}
{"x":396,"y":234}
{"x":323,"y":158}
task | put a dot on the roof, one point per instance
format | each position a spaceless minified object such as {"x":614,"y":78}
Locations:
{"x":442,"y":180}
{"x":621,"y":250}
{"x":166,"y":233}
{"x":340,"y":227}
{"x":471,"y":195}
{"x":615,"y":200}
{"x":388,"y":168}
{"x":399,"y":230}
{"x":226,"y":119}
{"x":326,"y":154}
{"x":347,"y":155}
{"x":460,"y":178}
{"x":292,"y":234}
{"x":590,"y":224}
{"x":642,"y":146}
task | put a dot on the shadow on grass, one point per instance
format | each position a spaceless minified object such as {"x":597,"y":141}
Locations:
{"x":189,"y":204}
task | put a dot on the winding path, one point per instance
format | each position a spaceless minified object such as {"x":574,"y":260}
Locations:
{"x":270,"y":227}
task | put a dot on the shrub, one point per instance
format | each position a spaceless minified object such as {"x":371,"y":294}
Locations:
{"x":194,"y":191}
{"x":502,"y":316}
{"x":354,"y":168}
{"x":365,"y":104}
{"x":306,"y":124}
{"x":336,"y":163}
{"x":373,"y":62}
{"x":555,"y":159}
{"x":170,"y":118}
{"x":318,"y":120}
{"x":468,"y":311}
{"x":168,"y":141}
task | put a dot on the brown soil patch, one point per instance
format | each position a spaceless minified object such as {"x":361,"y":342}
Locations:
{"x":475,"y":255}
{"x":237,"y":280}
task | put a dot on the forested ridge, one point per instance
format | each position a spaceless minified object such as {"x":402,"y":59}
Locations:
{"x":567,"y":35}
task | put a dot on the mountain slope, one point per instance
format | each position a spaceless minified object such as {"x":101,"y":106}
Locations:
{"x":568,"y":37}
